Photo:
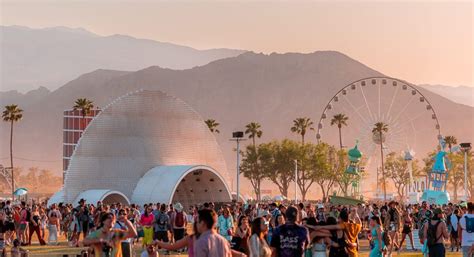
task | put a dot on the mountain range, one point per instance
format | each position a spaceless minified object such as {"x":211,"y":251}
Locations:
{"x":51,"y":57}
{"x":272,"y":89}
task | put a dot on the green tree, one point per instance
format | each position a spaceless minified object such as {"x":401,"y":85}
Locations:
{"x":254,"y":130}
{"x":339,"y":120}
{"x":256,"y":163}
{"x":301,"y":126}
{"x":398,"y":171}
{"x":280,"y":170}
{"x":212,"y":125}
{"x":85,"y":106}
{"x":324,"y":165}
{"x":456,"y":173}
{"x":379,"y":129}
{"x":12,"y":114}
{"x":450,"y":141}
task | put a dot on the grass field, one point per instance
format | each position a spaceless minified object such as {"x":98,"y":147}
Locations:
{"x":63,"y":249}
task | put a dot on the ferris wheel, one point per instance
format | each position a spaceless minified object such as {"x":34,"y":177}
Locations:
{"x":408,"y":115}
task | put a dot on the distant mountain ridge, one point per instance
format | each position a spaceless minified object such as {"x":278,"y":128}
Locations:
{"x":459,"y":94}
{"x":60,"y":54}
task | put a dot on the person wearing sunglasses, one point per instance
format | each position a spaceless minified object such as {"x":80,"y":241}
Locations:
{"x":120,"y":224}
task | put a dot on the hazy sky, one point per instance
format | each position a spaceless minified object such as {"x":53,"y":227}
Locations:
{"x":422,"y":42}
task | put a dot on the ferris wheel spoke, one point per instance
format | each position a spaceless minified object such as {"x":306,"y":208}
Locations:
{"x":367,"y":104}
{"x":410,"y":120}
{"x":403,"y":110}
{"x":356,"y":111}
{"x":378,"y":117}
{"x":392,"y":101}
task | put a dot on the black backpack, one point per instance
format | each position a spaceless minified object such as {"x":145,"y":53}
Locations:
{"x":431,"y":233}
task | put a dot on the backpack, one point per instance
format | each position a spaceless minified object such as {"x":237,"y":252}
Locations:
{"x":386,"y":239}
{"x":469,"y":224}
{"x":179,"y":219}
{"x":431,"y":233}
{"x":162,"y":220}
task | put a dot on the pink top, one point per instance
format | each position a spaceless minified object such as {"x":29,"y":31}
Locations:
{"x":147,"y":221}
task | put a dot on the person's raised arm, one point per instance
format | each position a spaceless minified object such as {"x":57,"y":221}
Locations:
{"x":327,"y":227}
{"x":379,"y":237}
{"x":182,"y":243}
{"x":131,"y":231}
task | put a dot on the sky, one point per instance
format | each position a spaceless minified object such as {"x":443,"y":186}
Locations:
{"x":424,"y":42}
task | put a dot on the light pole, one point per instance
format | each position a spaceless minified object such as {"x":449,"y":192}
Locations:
{"x":465,"y":147}
{"x":296,"y":181}
{"x":237,"y":136}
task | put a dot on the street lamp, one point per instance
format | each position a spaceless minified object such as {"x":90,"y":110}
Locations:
{"x":465,"y":147}
{"x":237,"y":136}
{"x":296,"y":181}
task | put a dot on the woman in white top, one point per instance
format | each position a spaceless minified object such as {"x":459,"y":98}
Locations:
{"x":258,"y":245}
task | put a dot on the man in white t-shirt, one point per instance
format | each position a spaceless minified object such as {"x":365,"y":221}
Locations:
{"x":467,"y":239}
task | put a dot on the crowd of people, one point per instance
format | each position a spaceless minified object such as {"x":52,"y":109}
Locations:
{"x":253,"y":229}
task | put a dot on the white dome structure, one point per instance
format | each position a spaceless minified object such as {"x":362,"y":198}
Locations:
{"x":146,"y":147}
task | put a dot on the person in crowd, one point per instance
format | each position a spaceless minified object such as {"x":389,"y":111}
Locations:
{"x":453,"y":221}
{"x":106,"y":241}
{"x":290,"y":239}
{"x":82,"y":218}
{"x":54,"y":217}
{"x":179,"y":221}
{"x":376,"y":237}
{"x":146,"y":223}
{"x":301,"y":213}
{"x":466,"y":231}
{"x":210,"y":243}
{"x":392,"y":225}
{"x":280,"y":220}
{"x":258,"y":246}
{"x":24,"y":219}
{"x":162,"y":225}
{"x":3,"y":230}
{"x":351,"y":230}
{"x":225,"y":224}
{"x":126,"y":244}
{"x":407,"y":229}
{"x":150,"y":251}
{"x":435,"y":233}
{"x":337,"y":240}
{"x":241,"y":235}
{"x":319,"y":239}
{"x":35,"y":225}
{"x":17,"y":250}
{"x":187,"y":242}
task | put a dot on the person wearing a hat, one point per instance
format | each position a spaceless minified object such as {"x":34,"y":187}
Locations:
{"x":179,"y":221}
{"x":437,"y":228}
{"x":290,"y":239}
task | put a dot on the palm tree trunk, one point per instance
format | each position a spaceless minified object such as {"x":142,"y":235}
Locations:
{"x":253,"y":141}
{"x":383,"y":170}
{"x":11,"y":160}
{"x":340,"y":137}
{"x":302,"y":139}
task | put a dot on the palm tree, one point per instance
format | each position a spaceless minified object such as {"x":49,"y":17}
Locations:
{"x":85,"y":106}
{"x":450,"y":141}
{"x":301,"y":125}
{"x":12,"y":114}
{"x":212,"y":125}
{"x":253,"y":129}
{"x":379,"y":129}
{"x":341,"y":120}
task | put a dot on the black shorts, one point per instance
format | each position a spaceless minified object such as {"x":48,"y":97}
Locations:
{"x":161,"y":236}
{"x":178,"y":233}
{"x":437,"y":250}
{"x":406,"y":229}
{"x":454,"y":234}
